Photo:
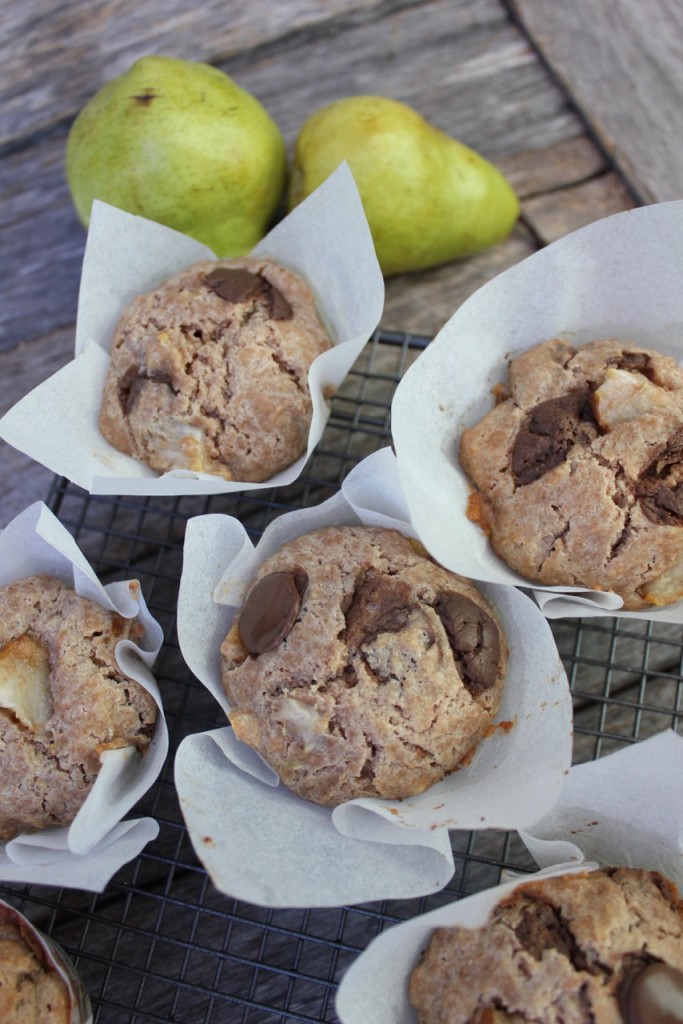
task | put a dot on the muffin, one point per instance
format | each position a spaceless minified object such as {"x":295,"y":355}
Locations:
{"x":63,"y":701}
{"x":603,"y":946}
{"x":38,"y":985}
{"x":209,"y":372}
{"x":578,"y":470}
{"x":357,"y":666}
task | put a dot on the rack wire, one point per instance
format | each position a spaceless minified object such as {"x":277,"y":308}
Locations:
{"x":161,"y":944}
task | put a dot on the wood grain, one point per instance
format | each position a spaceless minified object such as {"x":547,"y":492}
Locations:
{"x":465,"y":67}
{"x":622,"y":62}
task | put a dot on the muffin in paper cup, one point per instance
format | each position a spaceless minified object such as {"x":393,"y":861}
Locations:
{"x":98,"y":841}
{"x":615,"y":279}
{"x":33,"y":961}
{"x":326,"y":241}
{"x":259,"y":841}
{"x":618,"y":812}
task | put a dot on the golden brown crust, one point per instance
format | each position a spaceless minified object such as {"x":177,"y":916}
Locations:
{"x":367,"y":693}
{"x":215,"y":385}
{"x":579,"y":472}
{"x":31,"y":990}
{"x":63,"y":701}
{"x":556,"y":950}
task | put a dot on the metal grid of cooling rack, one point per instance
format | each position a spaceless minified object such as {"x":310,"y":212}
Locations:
{"x":161,"y":944}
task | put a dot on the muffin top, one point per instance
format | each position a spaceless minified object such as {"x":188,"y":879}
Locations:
{"x":209,"y":371}
{"x":32,"y":990}
{"x":602,"y":946}
{"x":63,"y":701}
{"x":578,"y":470}
{"x":358,"y":666}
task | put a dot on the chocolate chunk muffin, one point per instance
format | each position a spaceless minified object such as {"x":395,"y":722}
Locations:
{"x":604,"y":946}
{"x":358,"y":666}
{"x":579,"y":470}
{"x":209,"y":372}
{"x":63,"y":701}
{"x":38,"y":985}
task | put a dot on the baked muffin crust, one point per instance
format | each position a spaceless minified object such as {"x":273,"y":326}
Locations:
{"x":209,"y":371}
{"x":31,"y":990}
{"x":381,"y":673}
{"x":563,"y":950}
{"x":63,"y":701}
{"x":579,"y":470}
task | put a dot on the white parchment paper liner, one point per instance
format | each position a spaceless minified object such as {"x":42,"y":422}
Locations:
{"x":619,"y":277}
{"x":624,"y":810}
{"x":98,"y":842}
{"x":326,"y":239}
{"x":259,"y":842}
{"x":51,"y":954}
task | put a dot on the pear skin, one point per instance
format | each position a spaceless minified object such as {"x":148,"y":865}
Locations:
{"x":180,"y":143}
{"x":428,"y":198}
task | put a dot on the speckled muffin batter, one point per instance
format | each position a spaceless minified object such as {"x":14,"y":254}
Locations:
{"x":357,"y":666}
{"x":579,"y":470}
{"x":602,"y":946}
{"x":63,"y":701}
{"x":209,"y":372}
{"x":32,"y":990}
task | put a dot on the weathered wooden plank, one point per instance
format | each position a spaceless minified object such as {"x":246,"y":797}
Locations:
{"x":565,"y":163}
{"x":622,"y":61}
{"x":555,"y":214}
{"x":22,"y":481}
{"x":74,"y":49}
{"x":474,"y":77}
{"x":54,"y":57}
{"x":482,"y":84}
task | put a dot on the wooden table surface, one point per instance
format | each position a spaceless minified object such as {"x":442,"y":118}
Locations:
{"x":580,"y":103}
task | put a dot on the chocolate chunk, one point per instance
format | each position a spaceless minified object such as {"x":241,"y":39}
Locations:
{"x":270,"y":610}
{"x":131,"y":384}
{"x":542,"y":927}
{"x":547,"y":435}
{"x":474,"y":640}
{"x":640,"y":362}
{"x":279,"y":309}
{"x":654,"y":996}
{"x":660,"y":489}
{"x":129,"y":388}
{"x":668,"y":456}
{"x":661,"y":504}
{"x":380,"y":604}
{"x":236,"y":285}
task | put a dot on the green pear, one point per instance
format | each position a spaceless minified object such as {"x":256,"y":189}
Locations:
{"x":428,"y":198}
{"x":180,"y":143}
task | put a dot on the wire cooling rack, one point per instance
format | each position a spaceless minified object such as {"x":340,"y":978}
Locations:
{"x":161,"y":944}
